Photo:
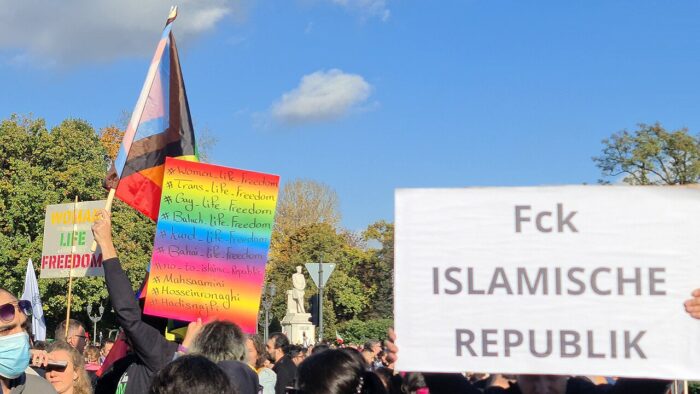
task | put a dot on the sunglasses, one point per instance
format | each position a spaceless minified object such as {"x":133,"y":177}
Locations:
{"x":7,"y":311}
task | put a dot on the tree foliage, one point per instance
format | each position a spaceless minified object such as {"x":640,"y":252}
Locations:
{"x":651,"y":156}
{"x":304,"y":202}
{"x":39,"y":167}
{"x":379,"y":269}
{"x":360,"y":331}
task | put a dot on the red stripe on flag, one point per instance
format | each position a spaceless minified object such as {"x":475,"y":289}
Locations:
{"x":141,"y":193}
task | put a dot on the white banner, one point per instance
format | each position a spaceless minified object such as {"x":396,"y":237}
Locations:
{"x":585,"y":280}
{"x":57,"y":252}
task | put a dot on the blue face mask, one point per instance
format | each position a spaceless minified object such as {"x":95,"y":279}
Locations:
{"x":14,"y":355}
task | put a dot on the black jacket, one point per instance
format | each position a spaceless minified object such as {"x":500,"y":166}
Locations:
{"x":151,"y":350}
{"x":286,"y":372}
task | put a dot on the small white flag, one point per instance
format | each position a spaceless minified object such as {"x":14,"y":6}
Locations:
{"x":31,"y":293}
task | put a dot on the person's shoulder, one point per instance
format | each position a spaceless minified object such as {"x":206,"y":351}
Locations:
{"x":37,"y":384}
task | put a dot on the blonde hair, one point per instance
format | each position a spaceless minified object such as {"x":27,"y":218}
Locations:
{"x":82,"y":384}
{"x":92,"y":354}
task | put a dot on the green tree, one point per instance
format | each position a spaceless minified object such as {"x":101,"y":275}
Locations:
{"x":39,"y":167}
{"x":359,"y":331}
{"x":301,"y":203}
{"x":345,"y":296}
{"x":379,"y":269}
{"x":651,"y":156}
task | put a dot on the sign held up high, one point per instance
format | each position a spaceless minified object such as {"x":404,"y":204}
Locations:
{"x":211,"y":243}
{"x":63,"y":248}
{"x":579,"y":280}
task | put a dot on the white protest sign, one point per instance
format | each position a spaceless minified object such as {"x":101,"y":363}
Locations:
{"x":59,"y":239}
{"x":585,"y":280}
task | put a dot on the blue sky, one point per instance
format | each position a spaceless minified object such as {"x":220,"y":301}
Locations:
{"x":372,"y":95}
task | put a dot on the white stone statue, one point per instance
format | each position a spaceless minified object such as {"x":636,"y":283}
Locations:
{"x":296,"y":303}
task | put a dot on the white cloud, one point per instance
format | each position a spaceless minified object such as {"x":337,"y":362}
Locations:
{"x":76,"y":31}
{"x":323,"y":95}
{"x":367,"y":8}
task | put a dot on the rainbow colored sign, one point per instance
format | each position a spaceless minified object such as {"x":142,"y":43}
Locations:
{"x":211,"y":243}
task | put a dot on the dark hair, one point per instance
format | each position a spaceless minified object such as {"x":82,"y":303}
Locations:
{"x":320,"y":347}
{"x":354,"y":353}
{"x":336,"y":371}
{"x":220,"y":341}
{"x":39,"y":345}
{"x":294,"y":350}
{"x":385,"y":374}
{"x":192,"y":375}
{"x":369,"y":344}
{"x":260,"y":349}
{"x":280,"y":341}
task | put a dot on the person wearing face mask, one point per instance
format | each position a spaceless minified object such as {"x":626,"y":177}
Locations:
{"x":14,"y":349}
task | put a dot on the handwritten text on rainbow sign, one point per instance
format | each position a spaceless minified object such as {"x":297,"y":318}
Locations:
{"x":211,"y":243}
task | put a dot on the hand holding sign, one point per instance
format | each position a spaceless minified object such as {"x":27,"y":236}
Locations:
{"x":692,"y":306}
{"x":102,"y":231}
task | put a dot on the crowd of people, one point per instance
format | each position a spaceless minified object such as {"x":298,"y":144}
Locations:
{"x":217,"y":357}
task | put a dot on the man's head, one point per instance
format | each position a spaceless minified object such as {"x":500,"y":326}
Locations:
{"x":106,"y":347}
{"x":76,"y":334}
{"x":277,"y":346}
{"x":373,"y":346}
{"x":220,"y":341}
{"x":12,"y":317}
{"x":542,"y":384}
{"x":14,"y":338}
{"x":298,"y":269}
{"x":296,"y":353}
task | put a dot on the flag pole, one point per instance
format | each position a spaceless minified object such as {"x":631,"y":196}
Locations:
{"x":138,"y":109}
{"x":70,"y":270}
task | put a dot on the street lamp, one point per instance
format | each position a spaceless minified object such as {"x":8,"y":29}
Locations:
{"x":269,"y":292}
{"x":94,"y":320}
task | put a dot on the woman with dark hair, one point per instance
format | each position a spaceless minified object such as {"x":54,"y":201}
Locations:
{"x":191,"y":375}
{"x":337,"y":371}
{"x":259,"y":360}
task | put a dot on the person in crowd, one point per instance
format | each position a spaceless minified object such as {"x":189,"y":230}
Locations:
{"x":71,"y":378}
{"x":336,"y":371}
{"x":191,"y":374}
{"x":258,"y":359}
{"x":92,"y":363}
{"x":76,"y":337}
{"x":225,"y":344}
{"x":15,"y":376}
{"x":151,"y":351}
{"x":320,"y":347}
{"x":375,"y":348}
{"x":278,"y":347}
{"x":104,"y":351}
{"x":220,"y":341}
{"x":296,"y":353}
{"x":368,"y":356}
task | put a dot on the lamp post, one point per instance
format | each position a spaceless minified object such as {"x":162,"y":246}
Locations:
{"x":269,"y":292}
{"x":94,"y":320}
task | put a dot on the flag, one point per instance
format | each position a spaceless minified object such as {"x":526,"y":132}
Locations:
{"x":160,"y":127}
{"x":338,"y":339}
{"x":31,"y":293}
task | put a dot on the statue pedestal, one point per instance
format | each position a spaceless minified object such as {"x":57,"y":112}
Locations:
{"x":294,"y":325}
